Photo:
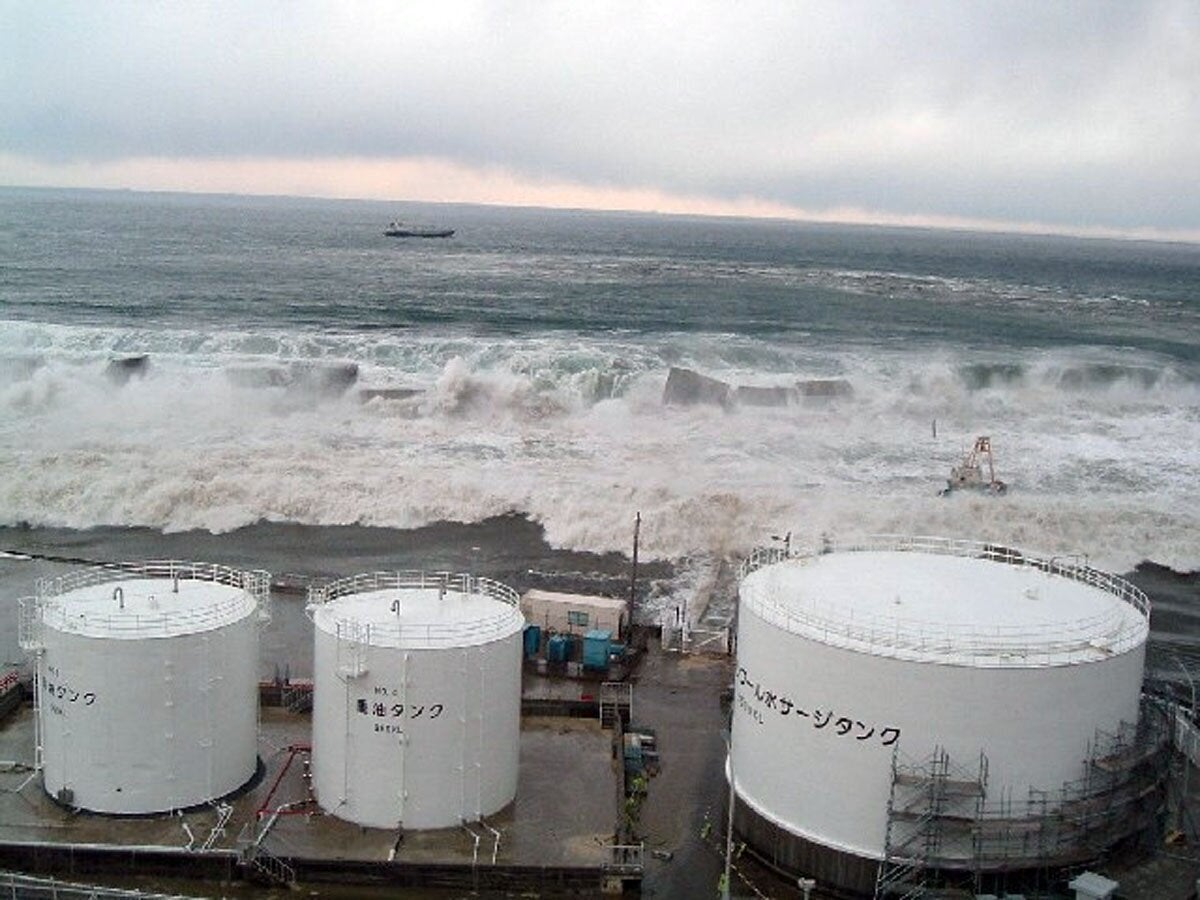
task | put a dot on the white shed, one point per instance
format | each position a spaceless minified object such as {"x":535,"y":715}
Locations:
{"x":575,"y":613}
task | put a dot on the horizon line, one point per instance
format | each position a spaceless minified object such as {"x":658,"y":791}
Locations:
{"x":740,"y":209}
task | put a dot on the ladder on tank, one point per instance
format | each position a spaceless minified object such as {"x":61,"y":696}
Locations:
{"x":353,"y":643}
{"x":30,"y":638}
{"x":29,"y":625}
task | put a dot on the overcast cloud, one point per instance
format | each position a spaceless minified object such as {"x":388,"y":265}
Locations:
{"x":1071,"y":114}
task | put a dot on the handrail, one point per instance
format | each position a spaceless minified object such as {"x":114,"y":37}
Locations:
{"x":413,"y":579}
{"x":254,"y":581}
{"x":1110,"y":632}
{"x":625,"y":858}
{"x":459,"y":632}
{"x":448,"y":585}
{"x":15,"y":884}
{"x":255,"y":585}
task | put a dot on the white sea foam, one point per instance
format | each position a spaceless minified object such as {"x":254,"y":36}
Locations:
{"x":1101,"y":454}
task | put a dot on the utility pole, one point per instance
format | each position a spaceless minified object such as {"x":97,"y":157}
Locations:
{"x":637,"y":527}
{"x":1187,"y":762}
{"x":725,"y":877}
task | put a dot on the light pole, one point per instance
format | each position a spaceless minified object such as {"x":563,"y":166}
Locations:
{"x":1187,"y":762}
{"x":729,"y":824}
{"x":1191,"y":683}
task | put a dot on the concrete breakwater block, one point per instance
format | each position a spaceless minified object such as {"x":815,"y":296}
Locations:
{"x":120,"y":370}
{"x":685,"y":387}
{"x":764,"y":396}
{"x":395,"y":394}
{"x":825,"y":389}
{"x":318,"y":378}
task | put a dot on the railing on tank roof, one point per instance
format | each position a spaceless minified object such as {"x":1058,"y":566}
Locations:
{"x":446,"y":582}
{"x":1109,"y":632}
{"x":413,"y":579}
{"x":255,"y":583}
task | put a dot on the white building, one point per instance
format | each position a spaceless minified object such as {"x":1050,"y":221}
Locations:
{"x":575,"y":613}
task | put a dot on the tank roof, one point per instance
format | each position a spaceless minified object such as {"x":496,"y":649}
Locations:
{"x":941,"y":603}
{"x":416,"y":612}
{"x":142,"y":607}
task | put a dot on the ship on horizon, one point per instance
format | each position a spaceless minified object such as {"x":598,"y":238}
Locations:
{"x":400,"y":229}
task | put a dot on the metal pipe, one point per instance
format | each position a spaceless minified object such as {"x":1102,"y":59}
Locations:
{"x":496,"y":846}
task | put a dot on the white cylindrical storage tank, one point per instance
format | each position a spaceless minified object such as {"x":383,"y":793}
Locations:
{"x":855,"y":662}
{"x":147,"y":684}
{"x":416,"y":698}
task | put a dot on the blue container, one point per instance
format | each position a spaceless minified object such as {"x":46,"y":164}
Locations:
{"x":596,"y":644}
{"x":558,"y":648}
{"x":533,"y":640}
{"x":632,"y":755}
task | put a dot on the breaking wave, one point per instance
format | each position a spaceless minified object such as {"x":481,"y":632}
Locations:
{"x":181,"y":430}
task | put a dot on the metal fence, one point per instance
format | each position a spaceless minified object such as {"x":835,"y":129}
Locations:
{"x":15,"y":886}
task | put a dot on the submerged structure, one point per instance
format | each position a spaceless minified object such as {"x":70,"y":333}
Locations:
{"x":416,"y":698}
{"x":146,"y":684}
{"x":928,"y":712}
{"x":969,"y":474}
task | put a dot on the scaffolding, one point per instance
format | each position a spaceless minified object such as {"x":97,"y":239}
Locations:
{"x":931,"y":809}
{"x":946,"y":836}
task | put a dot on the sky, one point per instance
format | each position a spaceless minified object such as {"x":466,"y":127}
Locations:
{"x":1062,"y":116}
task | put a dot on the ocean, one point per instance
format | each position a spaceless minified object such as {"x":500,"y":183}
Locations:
{"x":301,"y":368}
